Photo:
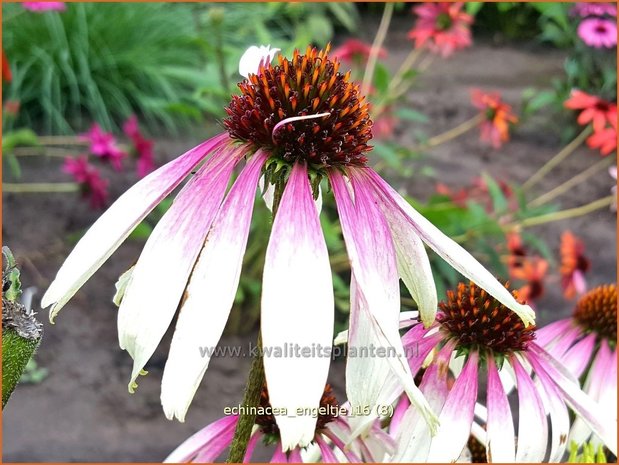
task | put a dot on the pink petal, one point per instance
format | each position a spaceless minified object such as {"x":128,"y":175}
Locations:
{"x":210,"y":293}
{"x":251,"y":445}
{"x":327,"y":454}
{"x":213,"y":440}
{"x":297,"y":306}
{"x":167,"y":261}
{"x":113,"y":227}
{"x":577,"y":358}
{"x":500,"y":425}
{"x":279,"y":456}
{"x":457,"y":415}
{"x":532,"y":422}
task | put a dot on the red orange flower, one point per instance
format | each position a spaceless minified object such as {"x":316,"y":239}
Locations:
{"x":594,"y":109}
{"x":533,"y":271}
{"x":605,"y":140}
{"x":442,"y":27}
{"x":574,"y":265}
{"x":517,"y":251}
{"x":6,"y":68}
{"x":356,"y":50}
{"x":497,"y":117}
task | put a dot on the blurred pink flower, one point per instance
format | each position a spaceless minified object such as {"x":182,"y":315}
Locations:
{"x":44,"y":6}
{"x":93,"y":186}
{"x":584,"y":9}
{"x":598,"y":33}
{"x":356,"y":50}
{"x":384,"y":124}
{"x":443,"y":27}
{"x":143,"y":147}
{"x":103,"y":145}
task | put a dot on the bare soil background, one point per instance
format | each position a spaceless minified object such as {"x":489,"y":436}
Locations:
{"x":82,"y":410}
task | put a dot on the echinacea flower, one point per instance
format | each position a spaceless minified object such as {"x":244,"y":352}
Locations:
{"x":103,"y":145}
{"x":586,"y":345}
{"x":584,"y":9}
{"x":295,"y":124}
{"x":39,"y":7}
{"x":605,"y":140}
{"x":442,"y":27}
{"x":355,"y":50}
{"x":517,"y":251}
{"x":598,"y":32}
{"x":532,"y":271}
{"x":330,"y":433}
{"x":477,"y":192}
{"x":475,"y":333}
{"x":593,"y":109}
{"x":88,"y":177}
{"x":143,"y":147}
{"x":497,"y":116}
{"x":574,"y":265}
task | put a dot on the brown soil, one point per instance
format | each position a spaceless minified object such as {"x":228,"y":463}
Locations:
{"x":82,"y":411}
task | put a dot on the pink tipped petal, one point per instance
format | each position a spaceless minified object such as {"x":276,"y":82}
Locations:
{"x":373,"y":262}
{"x":113,"y":227}
{"x":210,"y":294}
{"x":350,"y":455}
{"x":297,"y":305}
{"x":327,"y":454}
{"x":212,"y":440}
{"x":548,"y":334}
{"x":160,"y":275}
{"x":500,"y":425}
{"x":602,"y":421}
{"x":532,"y":423}
{"x":413,"y":265}
{"x":456,"y":417}
{"x":251,"y":445}
{"x":279,"y":456}
{"x":450,"y":251}
{"x":399,"y":411}
{"x":295,"y":456}
{"x":577,"y":358}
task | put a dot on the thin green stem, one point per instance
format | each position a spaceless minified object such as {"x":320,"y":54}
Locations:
{"x":452,"y":133}
{"x":376,"y":46}
{"x":40,"y":187}
{"x":558,"y":158}
{"x":564,"y":214}
{"x":407,"y":64}
{"x":569,"y":184}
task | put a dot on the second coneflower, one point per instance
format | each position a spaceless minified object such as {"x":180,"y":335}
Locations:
{"x":296,"y":124}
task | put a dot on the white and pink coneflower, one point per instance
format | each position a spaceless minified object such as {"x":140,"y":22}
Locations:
{"x":475,"y":333}
{"x":598,"y":32}
{"x":586,"y":344}
{"x":331,"y":434}
{"x":294,"y":124}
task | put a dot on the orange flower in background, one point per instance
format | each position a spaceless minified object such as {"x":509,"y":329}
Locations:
{"x":497,"y":117}
{"x":6,"y":69}
{"x":442,"y":27}
{"x":574,"y":265}
{"x":605,"y":140}
{"x":517,"y":252}
{"x":355,"y":49}
{"x":594,"y":109}
{"x":533,"y":271}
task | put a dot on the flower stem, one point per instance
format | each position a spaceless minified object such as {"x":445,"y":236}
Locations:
{"x":565,"y":214}
{"x":408,"y":62}
{"x":558,"y":158}
{"x":60,"y":140}
{"x":567,"y":185}
{"x":446,"y":136}
{"x":40,"y":187}
{"x":376,"y":45}
{"x":251,"y":399}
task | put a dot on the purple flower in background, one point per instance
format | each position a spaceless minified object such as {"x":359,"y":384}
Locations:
{"x":598,"y":33}
{"x":584,"y":9}
{"x":40,"y":7}
{"x":143,"y":147}
{"x":104,"y":145}
{"x":88,"y":177}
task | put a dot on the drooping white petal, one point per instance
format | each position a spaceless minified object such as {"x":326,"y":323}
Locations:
{"x":298,"y":308}
{"x":413,"y":264}
{"x":372,"y":257}
{"x":210,"y":294}
{"x":113,"y":227}
{"x":500,"y":425}
{"x":214,"y":439}
{"x":456,"y":417}
{"x":451,"y":252}
{"x":160,"y":274}
{"x":532,"y":422}
{"x":602,"y":421}
{"x":253,"y":57}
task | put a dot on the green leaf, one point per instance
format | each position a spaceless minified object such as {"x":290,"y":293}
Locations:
{"x":473,"y":8}
{"x":499,"y":202}
{"x":408,"y":114}
{"x":381,"y":78}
